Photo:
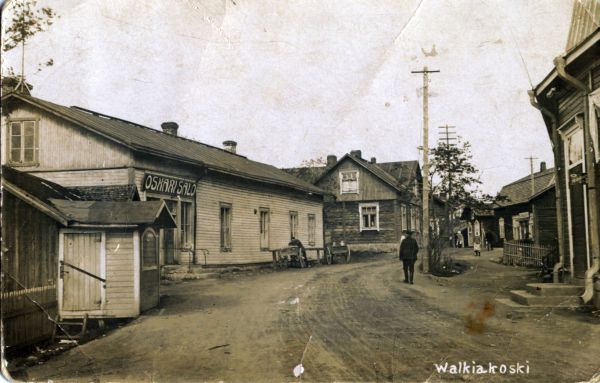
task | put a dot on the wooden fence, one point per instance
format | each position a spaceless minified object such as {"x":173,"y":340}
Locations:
{"x":525,"y":253}
{"x":26,"y":322}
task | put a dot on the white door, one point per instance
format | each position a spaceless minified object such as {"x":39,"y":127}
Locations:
{"x":82,"y":256}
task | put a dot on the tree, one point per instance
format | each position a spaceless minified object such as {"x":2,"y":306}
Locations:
{"x":26,"y":22}
{"x":313,"y":163}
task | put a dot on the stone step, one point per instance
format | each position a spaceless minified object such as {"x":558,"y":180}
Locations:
{"x":554,"y":289}
{"x":526,"y":298}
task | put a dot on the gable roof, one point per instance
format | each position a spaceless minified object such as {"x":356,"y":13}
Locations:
{"x":151,"y":141}
{"x":115,"y":213}
{"x":585,"y":19}
{"x":520,"y":191}
{"x":399,"y":180}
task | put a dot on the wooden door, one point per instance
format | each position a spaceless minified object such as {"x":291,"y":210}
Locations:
{"x":81,"y":292}
{"x":150,"y":272}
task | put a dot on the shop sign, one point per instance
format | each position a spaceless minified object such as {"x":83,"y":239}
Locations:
{"x":167,"y":185}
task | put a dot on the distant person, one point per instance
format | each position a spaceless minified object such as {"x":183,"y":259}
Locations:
{"x":296,"y":242}
{"x":460,"y":239}
{"x":477,"y":245}
{"x":489,"y":239}
{"x":408,"y":255}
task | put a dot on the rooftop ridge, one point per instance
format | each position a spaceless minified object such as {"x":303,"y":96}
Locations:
{"x":108,"y":117}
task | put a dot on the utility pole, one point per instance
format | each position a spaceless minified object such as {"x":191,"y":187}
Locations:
{"x":449,"y":136}
{"x":531,"y":158}
{"x":426,"y":188}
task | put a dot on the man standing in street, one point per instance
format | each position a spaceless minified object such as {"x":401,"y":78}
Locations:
{"x":408,"y":255}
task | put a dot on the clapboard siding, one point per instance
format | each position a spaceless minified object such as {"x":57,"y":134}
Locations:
{"x":61,"y":144}
{"x":370,"y":187}
{"x":245,"y":203}
{"x":120,"y":299}
{"x":342,"y":223}
{"x":99,"y":177}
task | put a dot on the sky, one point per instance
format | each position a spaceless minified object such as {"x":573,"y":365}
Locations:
{"x":298,"y":80}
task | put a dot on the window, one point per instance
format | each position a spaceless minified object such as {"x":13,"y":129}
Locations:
{"x":501,"y":227}
{"x":575,"y":147}
{"x":404,"y":222}
{"x":149,"y":249}
{"x":23,"y":139}
{"x":369,"y":216}
{"x":349,"y":182}
{"x":187,"y":224}
{"x":312,"y":225}
{"x":225,"y":216}
{"x":293,"y":224}
{"x":264,"y":229}
{"x":413,"y":219}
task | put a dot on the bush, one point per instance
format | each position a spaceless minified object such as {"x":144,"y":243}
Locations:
{"x":440,"y":263}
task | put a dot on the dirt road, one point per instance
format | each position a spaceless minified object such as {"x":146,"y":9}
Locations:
{"x":362,"y":322}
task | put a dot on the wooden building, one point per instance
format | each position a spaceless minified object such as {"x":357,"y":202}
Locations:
{"x":372,"y":203}
{"x":228,"y":208}
{"x":67,"y":256}
{"x":569,"y":100}
{"x":528,"y":210}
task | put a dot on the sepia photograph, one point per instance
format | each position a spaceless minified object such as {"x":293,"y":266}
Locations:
{"x":300,"y":191}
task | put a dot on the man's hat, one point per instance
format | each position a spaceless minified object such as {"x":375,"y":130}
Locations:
{"x":409,"y":232}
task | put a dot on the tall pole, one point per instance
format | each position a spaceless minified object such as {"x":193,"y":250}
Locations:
{"x":531,"y":158}
{"x":448,"y":211}
{"x":426,"y":188}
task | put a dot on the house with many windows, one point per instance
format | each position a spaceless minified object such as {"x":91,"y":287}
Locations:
{"x":370,"y":203}
{"x":228,"y":209}
{"x":527,"y":210}
{"x":568,"y":99}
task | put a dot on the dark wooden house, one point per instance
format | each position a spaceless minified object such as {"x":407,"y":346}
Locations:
{"x":228,"y":209}
{"x":372,"y":203}
{"x":527,"y":209}
{"x":65,"y":257}
{"x":569,"y":100}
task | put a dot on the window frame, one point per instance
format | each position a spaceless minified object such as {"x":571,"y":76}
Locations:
{"x":501,"y":231}
{"x":225,"y":244}
{"x":360,"y":216}
{"x":403,"y":217}
{"x":143,"y":248}
{"x":294,"y":225}
{"x":341,"y":176}
{"x":36,"y":141}
{"x":312,"y":229}
{"x":186,"y":223}
{"x":267,"y":228}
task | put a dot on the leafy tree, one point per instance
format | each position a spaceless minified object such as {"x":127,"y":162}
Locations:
{"x":26,"y":22}
{"x":313,"y":163}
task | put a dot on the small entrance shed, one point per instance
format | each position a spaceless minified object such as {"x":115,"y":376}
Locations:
{"x":108,"y":257}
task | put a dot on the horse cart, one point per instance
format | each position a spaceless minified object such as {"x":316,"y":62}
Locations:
{"x":292,"y":256}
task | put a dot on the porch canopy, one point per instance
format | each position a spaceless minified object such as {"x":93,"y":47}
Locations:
{"x":115,"y":213}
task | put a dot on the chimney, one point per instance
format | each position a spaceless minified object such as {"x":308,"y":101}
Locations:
{"x":230,"y":146}
{"x":170,"y":128}
{"x":542,"y":166}
{"x":356,"y":153}
{"x":373,"y":160}
{"x":331,"y":160}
